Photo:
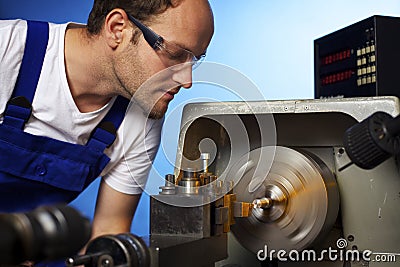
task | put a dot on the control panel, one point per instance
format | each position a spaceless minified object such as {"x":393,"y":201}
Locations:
{"x":359,"y":60}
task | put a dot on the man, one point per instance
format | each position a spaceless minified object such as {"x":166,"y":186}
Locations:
{"x":84,"y":69}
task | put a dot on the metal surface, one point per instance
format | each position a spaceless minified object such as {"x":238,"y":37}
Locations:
{"x":305,"y":200}
{"x":370,"y":201}
{"x":173,"y":220}
{"x":189,"y":186}
{"x":242,"y":209}
{"x":205,"y":158}
{"x":229,"y":200}
{"x":273,"y":205}
{"x":235,"y":128}
{"x":169,"y":186}
{"x":263,"y":203}
{"x":168,"y":251}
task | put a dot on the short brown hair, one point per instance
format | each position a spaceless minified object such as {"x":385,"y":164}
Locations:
{"x":141,"y":9}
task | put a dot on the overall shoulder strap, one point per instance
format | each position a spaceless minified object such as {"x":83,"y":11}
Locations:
{"x":104,"y":134}
{"x":19,"y":108}
{"x":32,"y":62}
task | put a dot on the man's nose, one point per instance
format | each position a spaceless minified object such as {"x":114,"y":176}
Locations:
{"x":183,"y":75}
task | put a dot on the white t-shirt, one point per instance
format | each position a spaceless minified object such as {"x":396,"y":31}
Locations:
{"x":55,"y":114}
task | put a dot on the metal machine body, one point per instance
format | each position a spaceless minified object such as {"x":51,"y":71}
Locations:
{"x":267,"y":175}
{"x":368,"y":199}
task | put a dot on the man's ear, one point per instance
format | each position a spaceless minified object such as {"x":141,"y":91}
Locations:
{"x":116,"y":21}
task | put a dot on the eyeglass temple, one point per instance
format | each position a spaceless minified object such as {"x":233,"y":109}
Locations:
{"x":151,"y":37}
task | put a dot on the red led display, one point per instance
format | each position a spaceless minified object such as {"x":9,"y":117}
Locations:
{"x":336,"y":77}
{"x":335,"y":57}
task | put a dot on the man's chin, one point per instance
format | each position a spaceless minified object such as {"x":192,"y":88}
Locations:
{"x":157,"y":113}
{"x":155,"y":116}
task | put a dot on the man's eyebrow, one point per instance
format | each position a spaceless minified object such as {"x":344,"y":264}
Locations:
{"x":183,"y":46}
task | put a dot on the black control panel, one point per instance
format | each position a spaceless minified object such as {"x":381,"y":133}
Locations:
{"x":362,"y":59}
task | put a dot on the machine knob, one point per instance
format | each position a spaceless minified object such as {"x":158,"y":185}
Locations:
{"x":372,"y":141}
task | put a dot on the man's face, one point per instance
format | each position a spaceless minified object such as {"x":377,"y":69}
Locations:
{"x":152,"y":77}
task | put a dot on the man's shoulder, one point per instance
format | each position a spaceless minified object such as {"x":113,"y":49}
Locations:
{"x":12,"y":32}
{"x":12,"y":43}
{"x":12,"y":24}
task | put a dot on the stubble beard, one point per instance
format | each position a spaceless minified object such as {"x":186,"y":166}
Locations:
{"x":150,"y":109}
{"x":157,"y":113}
{"x":149,"y":98}
{"x":141,"y":86}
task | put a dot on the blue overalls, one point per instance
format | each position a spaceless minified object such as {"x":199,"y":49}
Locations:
{"x":37,"y":170}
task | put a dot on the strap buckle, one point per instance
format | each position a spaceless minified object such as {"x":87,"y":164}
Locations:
{"x":18,"y":111}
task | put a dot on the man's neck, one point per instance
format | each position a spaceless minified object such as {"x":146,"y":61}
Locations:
{"x":85,"y":66}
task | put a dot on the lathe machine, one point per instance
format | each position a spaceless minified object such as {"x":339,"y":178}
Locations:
{"x":267,"y":183}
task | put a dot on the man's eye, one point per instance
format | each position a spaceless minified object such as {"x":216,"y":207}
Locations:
{"x":177,"y":55}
